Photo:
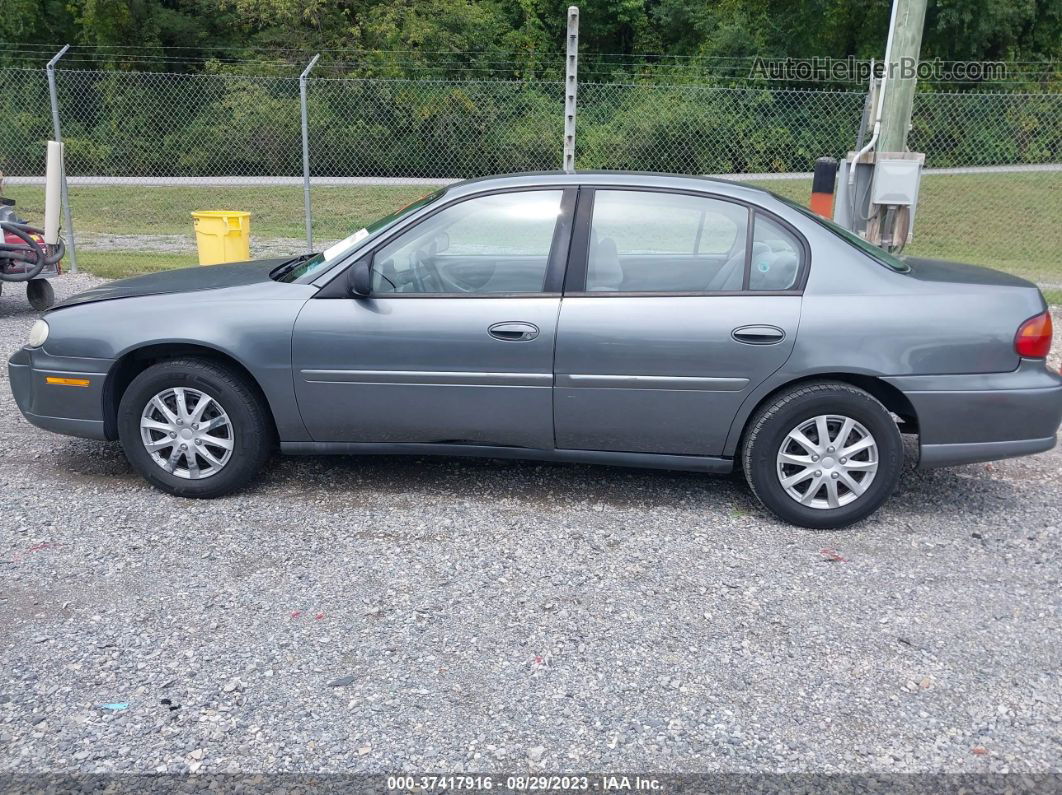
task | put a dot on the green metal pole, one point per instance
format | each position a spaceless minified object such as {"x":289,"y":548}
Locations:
{"x":900,"y":87}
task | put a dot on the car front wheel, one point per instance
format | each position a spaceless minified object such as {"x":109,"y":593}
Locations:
{"x":823,"y":455}
{"x":194,"y":428}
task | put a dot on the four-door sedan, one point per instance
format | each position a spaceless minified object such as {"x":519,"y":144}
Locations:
{"x":633,"y":319}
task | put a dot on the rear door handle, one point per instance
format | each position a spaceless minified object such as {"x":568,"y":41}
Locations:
{"x":758,"y":335}
{"x":513,"y":331}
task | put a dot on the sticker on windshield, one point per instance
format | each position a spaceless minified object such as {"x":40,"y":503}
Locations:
{"x":334,"y":251}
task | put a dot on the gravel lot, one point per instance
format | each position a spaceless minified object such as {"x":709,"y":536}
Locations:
{"x":383,"y":615}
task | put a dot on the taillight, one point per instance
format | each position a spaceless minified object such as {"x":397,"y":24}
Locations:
{"x":1033,"y":340}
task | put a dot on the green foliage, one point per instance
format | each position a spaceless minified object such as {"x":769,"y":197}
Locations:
{"x":712,"y":130}
{"x":427,"y":114}
{"x":151,"y":125}
{"x":428,"y":129}
{"x":26,"y":116}
{"x":968,"y":129}
{"x":23,"y":21}
{"x":505,"y":32}
{"x":252,"y":128}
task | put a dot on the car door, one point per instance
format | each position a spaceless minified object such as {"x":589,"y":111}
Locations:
{"x":455,"y":342}
{"x":676,"y":307}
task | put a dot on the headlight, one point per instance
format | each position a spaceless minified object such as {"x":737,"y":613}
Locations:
{"x":38,"y":334}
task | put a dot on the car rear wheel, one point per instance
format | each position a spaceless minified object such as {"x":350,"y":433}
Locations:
{"x":194,"y":428}
{"x":823,"y":455}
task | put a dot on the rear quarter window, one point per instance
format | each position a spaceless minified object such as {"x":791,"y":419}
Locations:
{"x":777,"y":256}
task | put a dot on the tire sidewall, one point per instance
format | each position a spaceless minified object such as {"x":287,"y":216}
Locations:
{"x":247,"y":453}
{"x":40,"y":294}
{"x":850,"y":402}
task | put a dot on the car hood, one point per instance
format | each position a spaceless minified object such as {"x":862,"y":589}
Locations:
{"x":184,"y":280}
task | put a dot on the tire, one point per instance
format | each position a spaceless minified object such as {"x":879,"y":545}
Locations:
{"x":769,"y":449}
{"x":235,"y":430}
{"x":40,"y":294}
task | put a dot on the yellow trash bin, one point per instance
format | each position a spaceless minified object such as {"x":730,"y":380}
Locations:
{"x":222,"y":236}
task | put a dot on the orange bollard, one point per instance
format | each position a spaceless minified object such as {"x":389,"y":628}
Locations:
{"x":822,"y":187}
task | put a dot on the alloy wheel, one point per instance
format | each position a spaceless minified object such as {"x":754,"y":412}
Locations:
{"x":187,"y":433}
{"x":827,"y":461}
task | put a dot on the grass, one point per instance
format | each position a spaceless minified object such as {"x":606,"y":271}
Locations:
{"x":275,"y":211}
{"x":120,"y":264}
{"x":1005,"y":221}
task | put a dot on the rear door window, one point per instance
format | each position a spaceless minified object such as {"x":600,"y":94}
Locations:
{"x":645,"y":241}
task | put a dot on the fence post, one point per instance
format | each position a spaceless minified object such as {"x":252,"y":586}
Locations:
{"x":571,"y":87}
{"x":68,"y":220}
{"x":306,"y":152}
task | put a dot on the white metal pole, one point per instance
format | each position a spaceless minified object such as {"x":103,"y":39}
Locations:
{"x":68,"y":219}
{"x":571,"y":87}
{"x":306,"y":152}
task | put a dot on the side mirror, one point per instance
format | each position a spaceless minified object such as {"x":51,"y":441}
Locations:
{"x":360,"y":278}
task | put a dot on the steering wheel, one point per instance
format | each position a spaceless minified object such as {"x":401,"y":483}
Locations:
{"x":451,"y":285}
{"x":425,"y":274}
{"x":428,"y":277}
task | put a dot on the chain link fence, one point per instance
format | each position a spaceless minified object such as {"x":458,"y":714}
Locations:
{"x":706,"y":130}
{"x":25,"y":121}
{"x":432,"y":129}
{"x":992,"y":193}
{"x":1007,"y":215}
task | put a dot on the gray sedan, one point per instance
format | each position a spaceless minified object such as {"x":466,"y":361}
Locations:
{"x":608,"y":318}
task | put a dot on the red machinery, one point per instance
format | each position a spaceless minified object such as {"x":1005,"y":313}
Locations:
{"x":25,"y":257}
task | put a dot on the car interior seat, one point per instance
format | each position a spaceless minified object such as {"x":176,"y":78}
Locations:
{"x":604,"y":273}
{"x":775,"y":268}
{"x":729,"y":277}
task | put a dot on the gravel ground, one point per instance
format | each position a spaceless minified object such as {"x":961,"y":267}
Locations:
{"x":371,"y":614}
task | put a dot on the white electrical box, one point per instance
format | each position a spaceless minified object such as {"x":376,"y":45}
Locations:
{"x":895,"y":181}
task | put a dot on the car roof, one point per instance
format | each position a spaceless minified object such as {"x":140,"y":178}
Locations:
{"x":641,"y":179}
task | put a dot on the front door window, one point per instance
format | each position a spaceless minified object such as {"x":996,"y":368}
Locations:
{"x":493,"y":244}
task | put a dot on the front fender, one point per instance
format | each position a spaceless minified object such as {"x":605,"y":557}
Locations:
{"x":251,"y":325}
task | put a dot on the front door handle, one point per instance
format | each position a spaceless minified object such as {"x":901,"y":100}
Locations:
{"x":513,"y":331}
{"x":758,"y":335}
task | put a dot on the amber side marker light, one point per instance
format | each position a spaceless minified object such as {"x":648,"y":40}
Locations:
{"x":1033,"y":340}
{"x":67,"y":381}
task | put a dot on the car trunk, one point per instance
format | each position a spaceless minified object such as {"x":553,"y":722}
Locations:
{"x":937,"y":270}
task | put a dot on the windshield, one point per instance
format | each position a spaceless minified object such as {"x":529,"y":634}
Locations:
{"x":879,"y":254}
{"x":331,"y":255}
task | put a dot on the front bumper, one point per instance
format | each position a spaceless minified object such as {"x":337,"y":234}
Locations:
{"x":964,"y":419}
{"x":56,"y":406}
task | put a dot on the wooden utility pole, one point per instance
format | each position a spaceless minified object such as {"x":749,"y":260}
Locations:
{"x":900,"y":87}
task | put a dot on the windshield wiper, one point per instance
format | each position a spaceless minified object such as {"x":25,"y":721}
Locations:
{"x":286,"y":267}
